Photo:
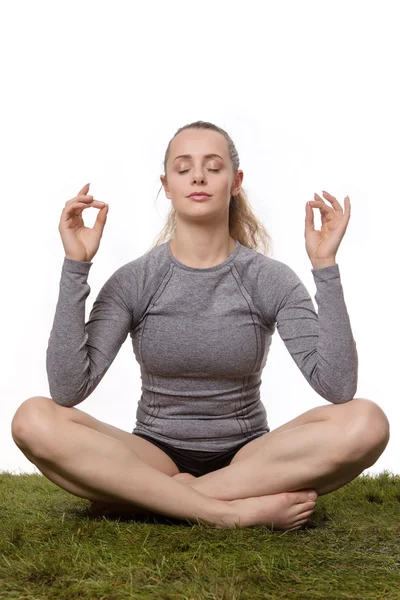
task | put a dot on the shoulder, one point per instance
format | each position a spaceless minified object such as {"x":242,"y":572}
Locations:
{"x":141,"y":276}
{"x":266,"y":268}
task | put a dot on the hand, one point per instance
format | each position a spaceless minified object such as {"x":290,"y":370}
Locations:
{"x":80,"y":242}
{"x":323,"y":245}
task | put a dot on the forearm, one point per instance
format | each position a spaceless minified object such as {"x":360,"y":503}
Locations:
{"x":67,"y":361}
{"x":337,"y":364}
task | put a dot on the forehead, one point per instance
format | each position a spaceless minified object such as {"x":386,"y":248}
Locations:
{"x":198,"y":143}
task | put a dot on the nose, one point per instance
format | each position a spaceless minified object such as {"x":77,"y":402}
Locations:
{"x":198,"y":177}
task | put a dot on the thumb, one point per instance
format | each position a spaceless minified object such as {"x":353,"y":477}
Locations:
{"x":309,"y":224}
{"x":101,"y":219}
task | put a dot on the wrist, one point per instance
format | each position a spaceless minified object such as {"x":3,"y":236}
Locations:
{"x":326,"y":262}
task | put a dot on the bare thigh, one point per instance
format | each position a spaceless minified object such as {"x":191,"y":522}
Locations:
{"x":30,"y":410}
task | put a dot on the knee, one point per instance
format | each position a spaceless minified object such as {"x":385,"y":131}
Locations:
{"x":368,"y":429}
{"x":31,"y":423}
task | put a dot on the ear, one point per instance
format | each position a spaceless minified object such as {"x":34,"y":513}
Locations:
{"x":163,"y":180}
{"x":237,"y":182}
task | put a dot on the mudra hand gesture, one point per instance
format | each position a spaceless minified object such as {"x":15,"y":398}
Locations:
{"x":322,"y":245}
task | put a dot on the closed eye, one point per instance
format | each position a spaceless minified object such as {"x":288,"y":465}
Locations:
{"x":186,"y":170}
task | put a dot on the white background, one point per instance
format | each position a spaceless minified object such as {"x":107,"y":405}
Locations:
{"x":93,"y":92}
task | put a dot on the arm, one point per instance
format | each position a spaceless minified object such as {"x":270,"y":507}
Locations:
{"x":79,"y":354}
{"x":322,"y":345}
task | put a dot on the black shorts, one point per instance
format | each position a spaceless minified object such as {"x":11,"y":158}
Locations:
{"x":197,"y":462}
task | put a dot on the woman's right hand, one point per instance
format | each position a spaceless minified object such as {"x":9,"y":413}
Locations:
{"x":80,"y":242}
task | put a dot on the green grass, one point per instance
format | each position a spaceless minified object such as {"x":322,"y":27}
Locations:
{"x":50,"y":547}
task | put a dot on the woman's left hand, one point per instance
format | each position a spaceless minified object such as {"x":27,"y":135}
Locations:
{"x":322,"y":245}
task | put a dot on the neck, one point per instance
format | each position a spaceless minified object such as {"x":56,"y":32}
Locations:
{"x":203,"y":250}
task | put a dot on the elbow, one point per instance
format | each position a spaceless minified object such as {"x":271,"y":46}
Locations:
{"x":350,"y":387}
{"x":63,"y":399}
{"x":346,"y":394}
{"x":66,"y":389}
{"x":335,"y":391}
{"x":341,"y":399}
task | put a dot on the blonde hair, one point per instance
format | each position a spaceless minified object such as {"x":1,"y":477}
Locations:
{"x":243,"y":224}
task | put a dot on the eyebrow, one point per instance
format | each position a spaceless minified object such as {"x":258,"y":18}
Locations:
{"x":190,"y":156}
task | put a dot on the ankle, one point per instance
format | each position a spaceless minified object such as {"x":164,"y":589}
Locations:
{"x":225,"y":514}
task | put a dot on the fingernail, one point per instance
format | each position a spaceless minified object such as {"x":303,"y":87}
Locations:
{"x":312,"y":495}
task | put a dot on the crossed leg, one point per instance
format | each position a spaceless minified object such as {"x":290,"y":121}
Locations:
{"x":323,"y":449}
{"x":97,"y":461}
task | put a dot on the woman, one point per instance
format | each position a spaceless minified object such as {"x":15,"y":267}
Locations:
{"x":201,"y":309}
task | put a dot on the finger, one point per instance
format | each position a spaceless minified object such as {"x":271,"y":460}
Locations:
{"x":327,"y":210}
{"x":327,"y":213}
{"x":83,"y":204}
{"x":101,"y":219}
{"x":81,"y":197}
{"x":74,"y":209}
{"x":84,"y":190}
{"x":332,"y":199}
{"x":347,"y":207}
{"x":93,"y":204}
{"x":78,"y":207}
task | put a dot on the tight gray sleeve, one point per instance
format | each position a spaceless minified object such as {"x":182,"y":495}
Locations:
{"x":321,"y":345}
{"x":78,"y":354}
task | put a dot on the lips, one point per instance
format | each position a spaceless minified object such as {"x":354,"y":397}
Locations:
{"x":199,"y":195}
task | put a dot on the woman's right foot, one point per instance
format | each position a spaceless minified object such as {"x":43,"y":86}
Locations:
{"x":284,"y":511}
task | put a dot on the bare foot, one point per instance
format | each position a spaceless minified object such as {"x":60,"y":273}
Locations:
{"x":284,"y":511}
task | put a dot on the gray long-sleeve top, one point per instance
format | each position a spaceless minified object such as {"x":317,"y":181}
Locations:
{"x":201,"y":338}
